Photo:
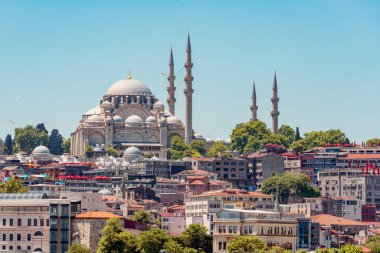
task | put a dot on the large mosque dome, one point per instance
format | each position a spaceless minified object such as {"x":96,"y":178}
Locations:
{"x":128,"y":87}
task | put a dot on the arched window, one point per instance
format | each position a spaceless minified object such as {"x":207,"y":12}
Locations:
{"x":38,"y":250}
{"x":38,"y":233}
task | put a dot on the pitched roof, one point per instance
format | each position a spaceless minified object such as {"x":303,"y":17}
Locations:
{"x":194,"y":172}
{"x":164,"y":214}
{"x":197,"y":182}
{"x":97,"y":215}
{"x":326,"y":219}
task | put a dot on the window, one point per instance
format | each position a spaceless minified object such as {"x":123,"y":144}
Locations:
{"x":29,"y":222}
{"x":41,"y":222}
{"x":10,"y":247}
{"x":18,"y":247}
{"x":10,"y":237}
{"x":18,"y":237}
{"x":4,"y":222}
{"x":222,"y":245}
{"x":4,"y":247}
{"x":29,"y":237}
{"x":19,"y":222}
{"x":11,"y":222}
{"x":4,"y":237}
{"x":28,"y":247}
{"x":47,"y":222}
{"x":35,"y":222}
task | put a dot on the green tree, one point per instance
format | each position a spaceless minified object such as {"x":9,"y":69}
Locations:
{"x":198,"y":146}
{"x":373,"y":244}
{"x":172,"y":246}
{"x":195,"y":236}
{"x":178,"y":148}
{"x":190,"y":250}
{"x":9,"y":144}
{"x":298,"y":136}
{"x":284,"y":185}
{"x":55,"y":142}
{"x":112,"y":151}
{"x":29,"y":137}
{"x":78,"y":248}
{"x":142,"y":217}
{"x":116,"y":240}
{"x":349,"y":248}
{"x":89,"y":151}
{"x":13,"y":186}
{"x":246,"y":244}
{"x":373,"y":141}
{"x":66,"y":145}
{"x":219,"y":149}
{"x":152,"y":241}
{"x":298,"y":146}
{"x":318,"y":139}
{"x":277,"y":249}
{"x":301,"y":251}
{"x":288,"y":132}
{"x":41,"y":127}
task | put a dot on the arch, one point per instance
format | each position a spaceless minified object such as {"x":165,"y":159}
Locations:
{"x":96,"y":138}
{"x":38,"y":233}
{"x":37,"y":250}
{"x":153,"y":139}
{"x":118,"y":138}
{"x":133,"y":109}
{"x":134,"y":138}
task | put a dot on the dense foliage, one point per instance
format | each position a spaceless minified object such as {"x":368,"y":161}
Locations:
{"x":219,"y":149}
{"x":55,"y":143}
{"x":348,"y":248}
{"x":13,"y":186}
{"x":318,"y":139}
{"x":254,"y":135}
{"x":284,"y":185}
{"x":373,"y":244}
{"x":179,"y":149}
{"x":9,"y":144}
{"x":195,"y":236}
{"x":29,"y":137}
{"x":246,"y":244}
{"x":78,"y":248}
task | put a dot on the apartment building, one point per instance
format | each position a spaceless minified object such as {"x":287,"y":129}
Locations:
{"x":263,"y":166}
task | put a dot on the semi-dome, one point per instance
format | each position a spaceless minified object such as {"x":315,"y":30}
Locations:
{"x":117,"y":119}
{"x":133,"y":120}
{"x":132,"y":151}
{"x":150,"y":119}
{"x":128,"y":87}
{"x":174,"y":120}
{"x":92,"y":111}
{"x":198,"y":135}
{"x":94,"y":119}
{"x":41,"y":150}
{"x":105,"y":192}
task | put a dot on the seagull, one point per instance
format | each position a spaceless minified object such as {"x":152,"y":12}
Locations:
{"x":10,"y":121}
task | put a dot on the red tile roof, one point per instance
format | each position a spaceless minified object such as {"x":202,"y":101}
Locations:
{"x":194,"y":172}
{"x":164,"y":214}
{"x":360,"y":157}
{"x":326,"y":219}
{"x":97,"y":215}
{"x":197,"y":182}
{"x":232,"y":192}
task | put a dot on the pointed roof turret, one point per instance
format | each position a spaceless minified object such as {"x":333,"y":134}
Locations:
{"x":254,"y":91}
{"x":171,"y":61}
{"x":275,"y":81}
{"x":188,"y":48}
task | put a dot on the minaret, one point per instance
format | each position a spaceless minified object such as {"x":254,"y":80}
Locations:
{"x":171,"y":88}
{"x":188,"y":94}
{"x":275,"y":111}
{"x":254,"y":106}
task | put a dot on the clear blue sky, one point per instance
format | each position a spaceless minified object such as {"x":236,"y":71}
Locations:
{"x":61,"y":56}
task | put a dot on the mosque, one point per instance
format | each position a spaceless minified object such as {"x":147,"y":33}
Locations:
{"x":129,"y":115}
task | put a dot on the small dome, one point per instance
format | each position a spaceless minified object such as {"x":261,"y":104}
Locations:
{"x":163,"y":121}
{"x":132,"y":151}
{"x":92,"y":111}
{"x":209,"y":140}
{"x":106,"y":104}
{"x":108,"y":119}
{"x":198,"y":136}
{"x":219,"y":139}
{"x":128,"y":87}
{"x":41,"y":150}
{"x":150,"y":120}
{"x":167,"y":113}
{"x":158,"y":106}
{"x":228,"y":141}
{"x":94,"y":119}
{"x":105,"y":192}
{"x":134,"y":120}
{"x":117,"y":119}
{"x":174,"y":120}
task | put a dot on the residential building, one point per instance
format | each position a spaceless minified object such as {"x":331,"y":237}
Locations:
{"x":233,"y":170}
{"x":263,"y":166}
{"x":267,"y":225}
{"x":368,"y":213}
{"x":173,"y":223}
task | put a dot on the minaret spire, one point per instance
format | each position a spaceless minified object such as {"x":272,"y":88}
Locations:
{"x":188,"y":94}
{"x":275,"y":113}
{"x":254,"y":106}
{"x":171,"y":88}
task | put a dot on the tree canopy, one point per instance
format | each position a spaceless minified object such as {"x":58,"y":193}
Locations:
{"x":142,"y":216}
{"x":55,"y":142}
{"x":179,"y":149}
{"x":41,"y":127}
{"x":373,"y":244}
{"x":78,"y":248}
{"x":13,"y":186}
{"x":284,"y":185}
{"x":152,"y":241}
{"x":196,"y":237}
{"x":198,"y":146}
{"x":66,"y":145}
{"x":29,"y":137}
{"x":9,"y":144}
{"x":373,"y":142}
{"x":246,"y":244}
{"x":254,"y":135}
{"x":278,"y":249}
{"x":219,"y":149}
{"x":318,"y":139}
{"x":112,"y":151}
{"x":116,"y":239}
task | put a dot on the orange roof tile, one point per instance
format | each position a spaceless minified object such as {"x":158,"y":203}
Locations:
{"x":163,"y":214}
{"x":326,"y":219}
{"x":197,"y":182}
{"x":97,"y":215}
{"x":231,"y":192}
{"x":194,"y":172}
{"x":360,"y":156}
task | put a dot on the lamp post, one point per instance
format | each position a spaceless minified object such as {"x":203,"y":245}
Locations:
{"x":41,"y":234}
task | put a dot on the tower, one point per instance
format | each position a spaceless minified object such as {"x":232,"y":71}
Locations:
{"x":188,"y":94}
{"x":254,"y":106}
{"x":275,"y":111}
{"x":171,"y":88}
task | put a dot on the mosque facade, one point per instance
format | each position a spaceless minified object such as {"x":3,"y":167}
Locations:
{"x":129,"y":115}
